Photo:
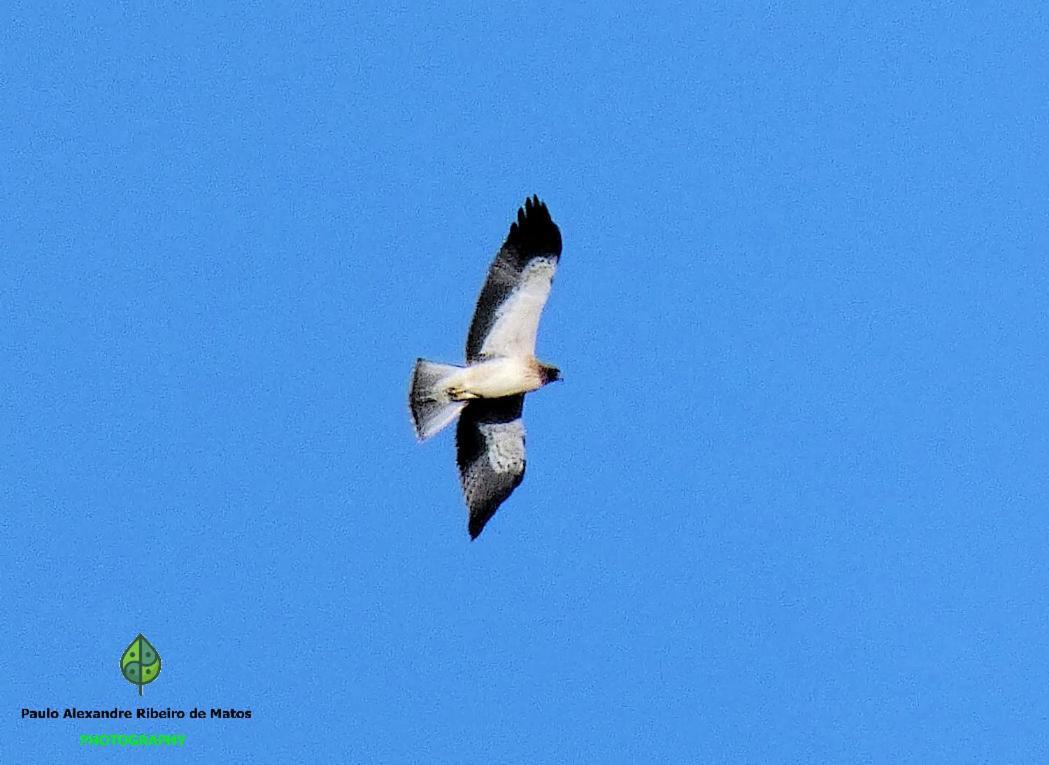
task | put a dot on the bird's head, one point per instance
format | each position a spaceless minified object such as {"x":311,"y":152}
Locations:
{"x":549,"y":373}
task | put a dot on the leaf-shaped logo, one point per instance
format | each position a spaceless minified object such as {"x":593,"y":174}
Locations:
{"x":140,"y":663}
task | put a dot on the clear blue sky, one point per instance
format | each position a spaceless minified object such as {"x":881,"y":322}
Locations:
{"x":789,"y":504}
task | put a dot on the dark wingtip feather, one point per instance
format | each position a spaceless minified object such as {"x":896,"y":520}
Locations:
{"x":479,"y":518}
{"x":534,"y":232}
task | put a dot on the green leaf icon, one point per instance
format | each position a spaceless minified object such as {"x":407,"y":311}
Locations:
{"x":140,"y":663}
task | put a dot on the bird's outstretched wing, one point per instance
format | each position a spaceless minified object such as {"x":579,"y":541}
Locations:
{"x":506,"y":319}
{"x":490,"y":443}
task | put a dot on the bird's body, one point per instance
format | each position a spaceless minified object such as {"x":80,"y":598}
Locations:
{"x":498,"y":377}
{"x":488,"y":393}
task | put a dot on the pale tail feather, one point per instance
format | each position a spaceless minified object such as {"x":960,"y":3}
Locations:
{"x":432,"y":409}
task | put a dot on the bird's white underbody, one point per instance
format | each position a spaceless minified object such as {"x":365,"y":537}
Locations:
{"x":495,"y":378}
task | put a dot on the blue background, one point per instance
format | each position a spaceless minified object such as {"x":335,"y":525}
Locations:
{"x":788,"y":505}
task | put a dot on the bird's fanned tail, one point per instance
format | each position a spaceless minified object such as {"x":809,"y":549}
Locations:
{"x":432,"y":408}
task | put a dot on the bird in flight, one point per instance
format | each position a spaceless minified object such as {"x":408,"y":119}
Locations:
{"x":487,"y":394}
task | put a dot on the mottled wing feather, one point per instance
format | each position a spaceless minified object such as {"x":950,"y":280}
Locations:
{"x":506,"y":319}
{"x":490,"y":442}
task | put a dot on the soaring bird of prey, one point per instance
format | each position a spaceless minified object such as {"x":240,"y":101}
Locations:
{"x":487,"y":394}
